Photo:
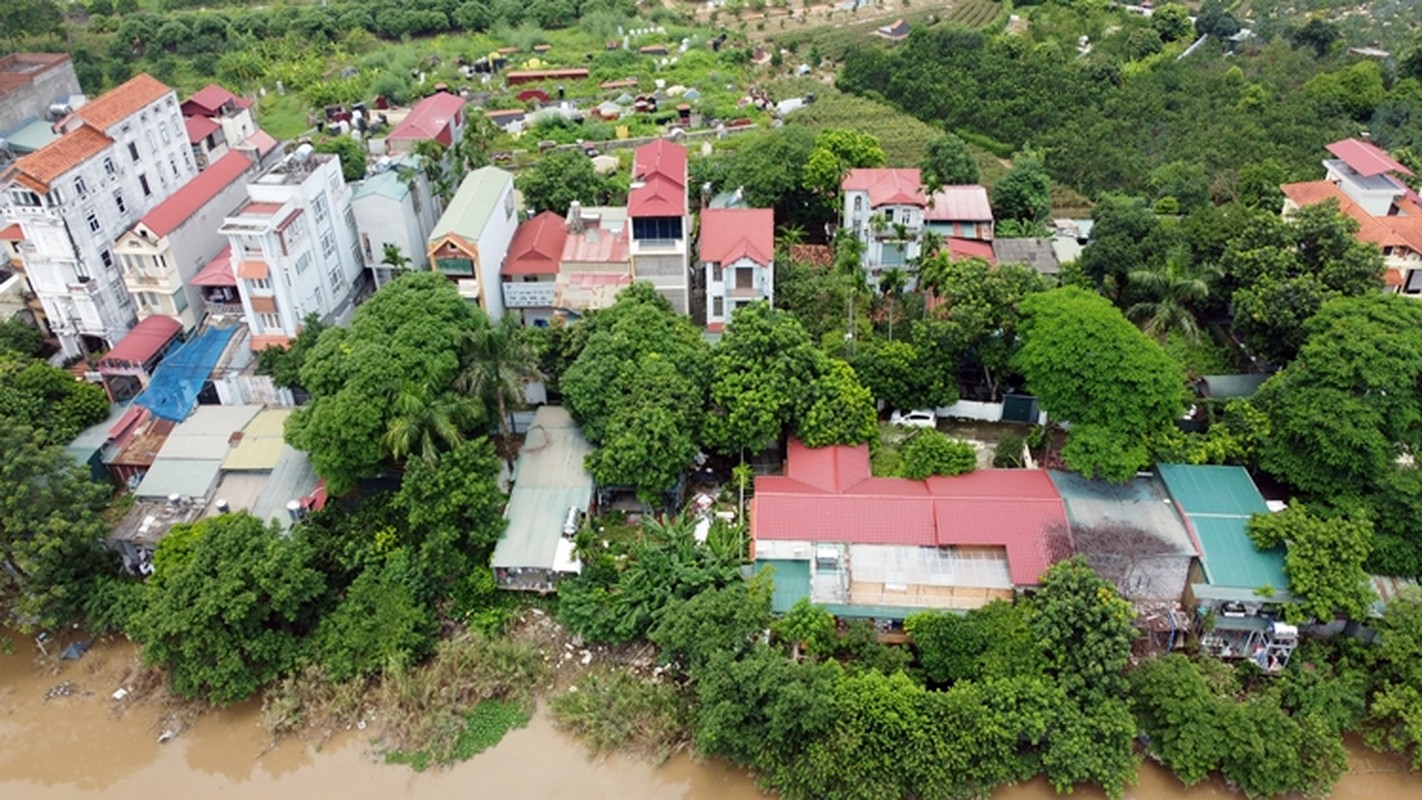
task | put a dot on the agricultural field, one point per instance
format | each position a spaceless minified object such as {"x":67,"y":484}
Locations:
{"x":841,"y":30}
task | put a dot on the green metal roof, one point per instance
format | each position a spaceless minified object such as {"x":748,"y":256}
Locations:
{"x":386,"y":184}
{"x":473,"y":205}
{"x":791,"y":579}
{"x":1217,"y":502}
{"x":1226,"y":387}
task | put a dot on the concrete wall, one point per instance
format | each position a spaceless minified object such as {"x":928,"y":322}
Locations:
{"x":33,"y":100}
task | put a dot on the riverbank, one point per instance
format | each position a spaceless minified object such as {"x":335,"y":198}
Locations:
{"x":81,"y":743}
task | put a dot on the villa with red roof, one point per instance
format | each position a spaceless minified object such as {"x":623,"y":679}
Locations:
{"x":218,"y":121}
{"x":661,"y":221}
{"x":884,"y":548}
{"x":1366,"y":184}
{"x":119,"y":157}
{"x":889,"y":211}
{"x":567,"y":266}
{"x":439,"y":117}
{"x":737,"y":253}
{"x":162,"y":254}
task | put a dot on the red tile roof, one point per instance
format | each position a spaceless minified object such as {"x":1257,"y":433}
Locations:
{"x":208,"y":101}
{"x":122,"y":101}
{"x":971,"y":248}
{"x":19,"y":70}
{"x":887,"y":187}
{"x":146,"y":340}
{"x":39,"y":169}
{"x":261,"y":141}
{"x":659,"y":180}
{"x":1366,"y":158}
{"x":199,"y":128}
{"x":597,"y":246}
{"x":430,"y":119}
{"x":730,"y":234}
{"x":197,"y":193}
{"x":966,"y":203}
{"x":1390,"y":231}
{"x":537,"y":246}
{"x":12,"y":233}
{"x":828,"y":495}
{"x":218,"y":271}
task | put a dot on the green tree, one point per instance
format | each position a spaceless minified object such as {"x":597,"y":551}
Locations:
{"x":1396,"y":708}
{"x":840,"y":410}
{"x":48,"y":399}
{"x":978,"y":317}
{"x":1318,"y":33}
{"x":902,"y":375}
{"x":771,"y":169}
{"x":499,"y":360}
{"x":51,"y":534}
{"x":1126,"y":236}
{"x":18,"y":336}
{"x":351,"y":152}
{"x":454,"y":508}
{"x":1323,"y":560}
{"x":1024,"y":192}
{"x":1091,"y":367}
{"x":29,"y":18}
{"x":1172,"y":22}
{"x":760,"y":370}
{"x":393,"y":369}
{"x":393,"y":258}
{"x":929,"y":453}
{"x":1215,"y":20}
{"x":560,"y":178}
{"x":229,"y":604}
{"x":807,"y":628}
{"x":380,"y":623}
{"x":727,"y":620}
{"x":284,"y":363}
{"x":1174,"y":295}
{"x":1085,"y":630}
{"x":1339,"y":415}
{"x":836,"y":152}
{"x":947,"y":162}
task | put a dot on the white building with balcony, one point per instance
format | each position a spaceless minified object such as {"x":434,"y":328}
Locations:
{"x":661,"y":221}
{"x":472,"y":236}
{"x":119,"y":157}
{"x":218,"y":121}
{"x":737,"y":250}
{"x":294,"y":250}
{"x":884,"y":209}
{"x":162,"y":254}
{"x":395,"y":207}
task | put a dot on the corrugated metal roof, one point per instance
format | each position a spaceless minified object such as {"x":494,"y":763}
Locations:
{"x":1217,"y":502}
{"x":548,"y":479}
{"x":478,"y":197}
{"x":1223,"y":387}
{"x":791,"y":580}
{"x":185,"y":477}
{"x":963,"y":203}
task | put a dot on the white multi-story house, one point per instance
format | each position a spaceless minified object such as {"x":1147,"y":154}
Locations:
{"x":1364,"y":181}
{"x":884,"y":209}
{"x":217,"y":121}
{"x":118,"y":158}
{"x":472,"y":237}
{"x":661,"y":221}
{"x":737,"y":250}
{"x":293,"y":247}
{"x":394,"y":207}
{"x":173,"y":242}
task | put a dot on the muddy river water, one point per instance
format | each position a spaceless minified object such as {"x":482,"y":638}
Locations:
{"x":81,"y":743}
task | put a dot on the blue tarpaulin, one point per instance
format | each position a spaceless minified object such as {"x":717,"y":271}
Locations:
{"x":173,"y":391}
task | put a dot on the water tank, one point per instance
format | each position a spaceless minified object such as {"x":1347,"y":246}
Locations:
{"x":571,"y":522}
{"x":175,"y":499}
{"x":294,"y":510}
{"x":304,"y":153}
{"x":222,"y":506}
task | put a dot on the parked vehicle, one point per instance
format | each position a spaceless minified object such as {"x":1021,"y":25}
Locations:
{"x":917,"y":418}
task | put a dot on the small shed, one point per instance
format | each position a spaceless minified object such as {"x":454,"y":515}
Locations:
{"x":127,"y":368}
{"x":1035,"y":253}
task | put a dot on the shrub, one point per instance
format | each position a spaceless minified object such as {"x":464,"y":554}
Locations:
{"x":932,"y":453}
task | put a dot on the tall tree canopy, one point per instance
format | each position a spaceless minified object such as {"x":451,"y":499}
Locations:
{"x":947,"y":162}
{"x":228,"y":605}
{"x":48,"y":399}
{"x":560,"y":178}
{"x":1091,"y":367}
{"x":1024,"y":193}
{"x":1323,"y":559}
{"x":382,"y":388}
{"x":836,"y":152}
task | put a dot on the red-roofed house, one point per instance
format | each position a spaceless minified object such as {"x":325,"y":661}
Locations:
{"x":737,"y":252}
{"x":661,"y":221}
{"x":127,"y":367}
{"x":885,"y":547}
{"x":530,"y":269}
{"x":1363,"y":181}
{"x":439,"y":117}
{"x":219,"y":121}
{"x":168,"y":247}
{"x":121,"y":155}
{"x":960,"y":211}
{"x":885,"y":209}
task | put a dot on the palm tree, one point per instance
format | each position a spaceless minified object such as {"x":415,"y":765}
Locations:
{"x":425,"y":424}
{"x":431,"y":154}
{"x":1176,"y":294}
{"x":498,"y":360}
{"x":393,"y":258}
{"x":892,"y":285}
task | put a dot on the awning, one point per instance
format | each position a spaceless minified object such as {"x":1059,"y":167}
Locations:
{"x":261,"y":342}
{"x":146,"y":340}
{"x":264,"y":305}
{"x":12,"y":233}
{"x":253,"y":270}
{"x":218,"y":271}
{"x":1392,"y":277}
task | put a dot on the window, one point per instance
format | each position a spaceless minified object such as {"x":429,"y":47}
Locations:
{"x":337,"y":282}
{"x":80,"y":188}
{"x":133,"y":151}
{"x":20,"y":197}
{"x":303,"y":262}
{"x":350,"y":219}
{"x":718,"y":307}
{"x":745,"y":278}
{"x":415,"y":201}
{"x":163,"y":134}
{"x":82,"y":270}
{"x":716,"y":275}
{"x":188,"y":158}
{"x":269,"y":321}
{"x":92,"y":218}
{"x":143,"y":181}
{"x":328,"y":244}
{"x":365,"y":247}
{"x":319,"y":205}
{"x":118,"y":201}
{"x":264,"y":284}
{"x":858,"y":203}
{"x":107,"y":257}
{"x":152,"y":143}
{"x":1414,"y":282}
{"x":109,"y":168}
{"x":180,"y":301}
{"x":173,"y":162}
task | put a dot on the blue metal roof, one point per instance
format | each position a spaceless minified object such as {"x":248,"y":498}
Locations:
{"x":1217,"y":502}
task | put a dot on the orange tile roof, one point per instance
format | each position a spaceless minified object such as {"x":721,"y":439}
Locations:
{"x":1398,"y":230}
{"x":122,"y":101}
{"x":38,"y":169}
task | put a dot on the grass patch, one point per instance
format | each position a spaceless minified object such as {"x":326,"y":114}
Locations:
{"x":617,"y":709}
{"x":902,"y":135}
{"x":484,"y":727}
{"x":1204,"y":357}
{"x":283,"y":116}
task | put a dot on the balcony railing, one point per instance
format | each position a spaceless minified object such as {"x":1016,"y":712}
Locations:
{"x":234,"y":309}
{"x":528,"y":295}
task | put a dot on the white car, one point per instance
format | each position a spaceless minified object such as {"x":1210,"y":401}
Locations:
{"x":918,"y":418}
